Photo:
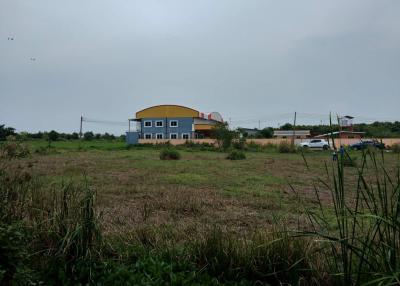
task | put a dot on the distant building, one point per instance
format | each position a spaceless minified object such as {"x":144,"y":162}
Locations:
{"x":298,"y":134}
{"x":172,"y":122}
{"x":248,"y":132}
{"x":342,"y":134}
{"x":346,"y":122}
{"x":346,"y":129}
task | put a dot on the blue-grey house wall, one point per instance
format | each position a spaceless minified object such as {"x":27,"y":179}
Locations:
{"x":185,"y":125}
{"x":132,"y":137}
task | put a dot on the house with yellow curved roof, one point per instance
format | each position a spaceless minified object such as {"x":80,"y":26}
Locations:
{"x":172,"y":122}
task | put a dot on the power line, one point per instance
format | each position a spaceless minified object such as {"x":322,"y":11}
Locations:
{"x":106,"y":122}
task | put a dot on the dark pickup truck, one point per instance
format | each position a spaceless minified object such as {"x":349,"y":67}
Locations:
{"x":367,"y":143}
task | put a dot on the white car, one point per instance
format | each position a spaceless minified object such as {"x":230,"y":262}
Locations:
{"x":316,"y":143}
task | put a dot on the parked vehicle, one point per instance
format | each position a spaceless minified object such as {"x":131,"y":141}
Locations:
{"x":363,"y":144}
{"x":316,"y":143}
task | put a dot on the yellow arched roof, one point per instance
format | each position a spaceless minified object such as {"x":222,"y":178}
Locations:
{"x":166,"y":111}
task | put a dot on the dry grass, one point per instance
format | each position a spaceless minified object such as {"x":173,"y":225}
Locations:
{"x":135,"y":189}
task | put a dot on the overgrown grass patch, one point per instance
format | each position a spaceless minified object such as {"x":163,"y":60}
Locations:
{"x":170,"y":154}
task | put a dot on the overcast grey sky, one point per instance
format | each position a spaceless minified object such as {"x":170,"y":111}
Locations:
{"x":247,"y":59}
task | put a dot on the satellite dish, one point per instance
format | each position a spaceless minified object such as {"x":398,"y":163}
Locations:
{"x":216,"y":116}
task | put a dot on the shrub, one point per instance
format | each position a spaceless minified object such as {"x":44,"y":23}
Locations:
{"x":240,"y":144}
{"x":169,"y":154}
{"x":285,"y":147}
{"x":13,"y":150}
{"x":13,"y":253}
{"x":236,"y":155}
{"x":198,"y":146}
{"x":395,"y":148}
{"x":223,"y":135}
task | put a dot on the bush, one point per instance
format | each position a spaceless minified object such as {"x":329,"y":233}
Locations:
{"x":223,"y":135}
{"x":198,"y":146}
{"x":13,"y":252}
{"x":285,"y":147}
{"x":169,"y":154}
{"x":240,"y":144}
{"x":13,"y":150}
{"x":236,"y":155}
{"x":395,"y":148}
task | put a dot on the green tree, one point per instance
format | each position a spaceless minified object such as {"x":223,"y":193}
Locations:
{"x":53,"y":135}
{"x":6,"y":131}
{"x":88,"y":136}
{"x":267,"y":132}
{"x":287,"y":126}
{"x":223,"y":135}
{"x":74,"y":136}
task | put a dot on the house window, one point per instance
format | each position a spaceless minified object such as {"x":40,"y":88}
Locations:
{"x":173,"y":123}
{"x":159,"y":136}
{"x":147,"y":123}
{"x":173,"y":136}
{"x":147,"y":136}
{"x":159,"y":123}
{"x":185,"y":135}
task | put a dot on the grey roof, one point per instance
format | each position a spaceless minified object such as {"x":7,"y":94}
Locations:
{"x":290,"y":132}
{"x":338,"y":132}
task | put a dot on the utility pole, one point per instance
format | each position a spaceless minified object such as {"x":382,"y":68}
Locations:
{"x":80,"y":130}
{"x":340,"y":129}
{"x":259,"y":124}
{"x":294,"y":127}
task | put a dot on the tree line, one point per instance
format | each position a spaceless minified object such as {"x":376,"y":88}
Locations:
{"x":376,"y":129}
{"x":6,"y":132}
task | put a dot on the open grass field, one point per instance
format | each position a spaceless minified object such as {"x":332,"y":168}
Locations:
{"x":135,"y":188}
{"x":140,"y":199}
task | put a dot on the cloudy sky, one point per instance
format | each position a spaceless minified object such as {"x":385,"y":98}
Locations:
{"x":250,"y":60}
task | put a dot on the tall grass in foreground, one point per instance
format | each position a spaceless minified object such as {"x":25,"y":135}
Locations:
{"x":45,"y":231}
{"x":364,"y":240}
